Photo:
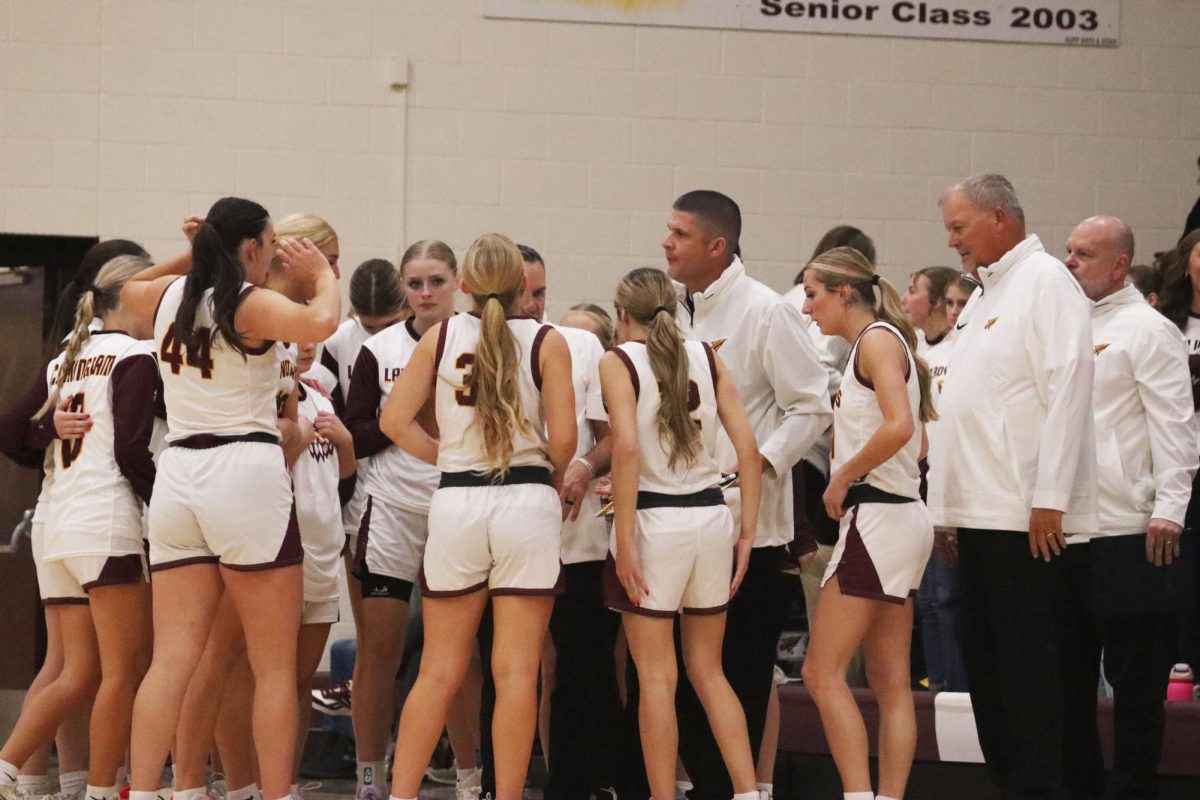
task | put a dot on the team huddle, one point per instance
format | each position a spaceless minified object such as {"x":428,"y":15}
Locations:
{"x":207,"y":478}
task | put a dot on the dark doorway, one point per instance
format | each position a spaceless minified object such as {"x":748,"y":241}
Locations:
{"x":33,"y":272}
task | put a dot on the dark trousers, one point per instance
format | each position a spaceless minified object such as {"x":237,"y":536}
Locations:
{"x":585,"y":705}
{"x":1112,"y":610}
{"x":1012,"y":635}
{"x":939,"y":602}
{"x":753,"y":624}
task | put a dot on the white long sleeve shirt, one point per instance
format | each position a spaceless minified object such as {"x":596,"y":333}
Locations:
{"x":833,"y":352}
{"x":1016,"y":430}
{"x":1145,"y":433}
{"x":768,"y":353}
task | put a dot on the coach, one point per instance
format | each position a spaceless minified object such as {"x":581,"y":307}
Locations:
{"x":1014,"y":469}
{"x":1127,"y":588}
{"x":767,"y":351}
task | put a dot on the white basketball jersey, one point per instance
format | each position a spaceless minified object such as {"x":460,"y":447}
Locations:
{"x":92,"y":509}
{"x":315,"y":486}
{"x":657,"y":475}
{"x":856,"y":417}
{"x":461,"y":445}
{"x":286,"y":356}
{"x":338,"y":354}
{"x":394,"y":475}
{"x":936,"y":356}
{"x":215,"y":390}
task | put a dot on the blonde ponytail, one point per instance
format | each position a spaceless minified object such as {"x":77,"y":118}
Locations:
{"x":102,"y":296}
{"x":646,"y":295}
{"x":845,"y":266}
{"x":493,"y":271}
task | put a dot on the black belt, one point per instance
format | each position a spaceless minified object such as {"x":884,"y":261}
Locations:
{"x":207,"y":441}
{"x":866,"y":493}
{"x":705,"y":497}
{"x":515,"y":476}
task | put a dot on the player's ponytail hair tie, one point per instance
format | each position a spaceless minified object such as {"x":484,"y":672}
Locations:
{"x":492,"y":296}
{"x":875,"y":279}
{"x":660,"y":309}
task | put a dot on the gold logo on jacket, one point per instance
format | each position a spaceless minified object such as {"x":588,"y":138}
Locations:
{"x":988,"y":325}
{"x":716,"y":344}
{"x":1100,"y":348}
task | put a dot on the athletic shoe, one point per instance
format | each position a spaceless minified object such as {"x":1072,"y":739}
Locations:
{"x":333,"y":700}
{"x":372,"y":792}
{"x":467,"y":792}
{"x":311,"y":786}
{"x":446,"y":776}
{"x":10,"y":791}
{"x":218,"y":787}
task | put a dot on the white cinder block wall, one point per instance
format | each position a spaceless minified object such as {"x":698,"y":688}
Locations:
{"x":119,"y":117}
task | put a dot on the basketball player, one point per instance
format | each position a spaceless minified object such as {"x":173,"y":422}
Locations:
{"x":399,"y":487}
{"x":675,"y":543}
{"x":885,"y":535}
{"x":505,"y":413}
{"x":91,"y":565}
{"x":376,"y":302}
{"x":215,"y":335}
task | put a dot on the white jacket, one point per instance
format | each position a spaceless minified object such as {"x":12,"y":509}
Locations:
{"x":1015,"y":429}
{"x":1145,"y":435}
{"x":768,"y":353}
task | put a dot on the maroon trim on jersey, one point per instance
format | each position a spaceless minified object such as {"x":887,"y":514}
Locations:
{"x":119,"y":571}
{"x":23,"y":439}
{"x":617,"y":599}
{"x":158,"y":305}
{"x":329,"y":362}
{"x":64,"y":601}
{"x":441,"y":344}
{"x":712,"y":368}
{"x":535,"y":355}
{"x":183,"y":562}
{"x":859,"y":376}
{"x":362,"y":407}
{"x":104,"y":332}
{"x":135,"y":385}
{"x":633,"y":375}
{"x":856,"y":572}
{"x":346,"y":488}
{"x":427,"y":592}
{"x":267,"y":344}
{"x":412,"y":329}
{"x":291,"y":549}
{"x":708,"y":611}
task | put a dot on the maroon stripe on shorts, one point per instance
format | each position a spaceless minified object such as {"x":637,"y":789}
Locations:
{"x":616,"y":598}
{"x":427,"y":592}
{"x":702,"y":612}
{"x":359,"y":556}
{"x":856,"y":572}
{"x":291,"y":550}
{"x":65,"y":601}
{"x":183,"y":562}
{"x":118,"y":571}
{"x":559,"y":588}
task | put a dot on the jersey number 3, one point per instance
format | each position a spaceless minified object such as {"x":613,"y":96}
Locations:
{"x":172,"y":352}
{"x":466,"y":395}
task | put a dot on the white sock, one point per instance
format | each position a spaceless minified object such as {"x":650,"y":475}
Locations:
{"x":285,"y":797}
{"x":769,"y":788}
{"x":188,"y":794}
{"x":71,"y":784}
{"x":142,"y":795}
{"x":101,"y":792}
{"x":250,"y":792}
{"x":33,"y":785}
{"x":371,"y":773}
{"x":469,"y":777}
{"x":746,"y":795}
{"x":858,"y":796}
{"x":122,"y":776}
{"x":393,"y":797}
{"x":293,"y":792}
{"x":881,"y":797}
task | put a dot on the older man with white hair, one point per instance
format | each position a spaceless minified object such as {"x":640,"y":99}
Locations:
{"x":1126,"y":587}
{"x":1013,"y":468}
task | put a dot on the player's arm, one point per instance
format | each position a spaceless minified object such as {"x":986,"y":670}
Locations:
{"x":362,"y":406}
{"x":398,"y":420}
{"x":621,"y":400}
{"x":266,"y":315}
{"x":882,"y":360}
{"x":22,"y":438}
{"x":135,"y":384}
{"x":558,"y":400}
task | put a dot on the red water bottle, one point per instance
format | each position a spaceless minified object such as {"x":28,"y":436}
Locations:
{"x":1179,"y":686}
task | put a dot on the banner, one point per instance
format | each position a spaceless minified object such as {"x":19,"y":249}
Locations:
{"x":1074,"y":22}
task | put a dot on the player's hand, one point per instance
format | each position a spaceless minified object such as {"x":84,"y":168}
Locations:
{"x":574,"y":487}
{"x":629,"y":572}
{"x":945,"y":541}
{"x":835,"y":496}
{"x":190,"y":226}
{"x":741,"y":560}
{"x":330,"y":428}
{"x":1046,"y":537}
{"x":70,"y":424}
{"x":604,"y":489}
{"x":303,"y":260}
{"x":806,"y":560}
{"x":306,"y":431}
{"x":1162,"y":542}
